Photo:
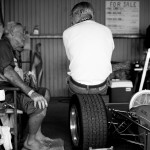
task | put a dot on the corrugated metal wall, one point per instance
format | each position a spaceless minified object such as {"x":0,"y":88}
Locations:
{"x":52,"y":16}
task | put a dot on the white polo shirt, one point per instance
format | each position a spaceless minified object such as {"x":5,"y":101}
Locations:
{"x":89,"y":46}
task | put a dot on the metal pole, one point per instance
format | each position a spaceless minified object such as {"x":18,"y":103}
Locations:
{"x":15,"y":121}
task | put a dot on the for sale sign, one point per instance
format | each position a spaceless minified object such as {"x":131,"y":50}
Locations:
{"x":122,"y":17}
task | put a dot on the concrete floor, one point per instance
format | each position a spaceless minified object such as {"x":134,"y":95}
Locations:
{"x":55,"y":124}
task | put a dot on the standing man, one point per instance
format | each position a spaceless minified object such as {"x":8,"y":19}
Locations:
{"x":32,"y":102}
{"x":89,"y":46}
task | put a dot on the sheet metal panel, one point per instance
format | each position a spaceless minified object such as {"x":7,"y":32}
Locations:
{"x":53,"y":18}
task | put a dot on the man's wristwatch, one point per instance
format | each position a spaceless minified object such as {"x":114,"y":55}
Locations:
{"x":30,"y":93}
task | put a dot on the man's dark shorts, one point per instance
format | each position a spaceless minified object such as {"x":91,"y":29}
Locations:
{"x":24,"y":102}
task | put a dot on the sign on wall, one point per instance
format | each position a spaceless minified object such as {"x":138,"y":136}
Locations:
{"x":122,"y":17}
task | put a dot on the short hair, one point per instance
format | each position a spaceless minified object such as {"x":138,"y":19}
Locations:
{"x":84,"y":10}
{"x":11,"y":26}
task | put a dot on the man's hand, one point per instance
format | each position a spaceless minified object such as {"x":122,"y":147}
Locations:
{"x":15,"y":79}
{"x":39,"y":100}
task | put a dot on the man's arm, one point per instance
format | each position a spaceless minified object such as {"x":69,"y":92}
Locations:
{"x":65,"y":41}
{"x":15,"y":80}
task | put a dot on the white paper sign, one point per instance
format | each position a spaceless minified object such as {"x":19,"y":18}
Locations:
{"x":122,"y":17}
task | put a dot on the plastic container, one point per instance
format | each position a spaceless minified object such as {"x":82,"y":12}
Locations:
{"x":121,"y":91}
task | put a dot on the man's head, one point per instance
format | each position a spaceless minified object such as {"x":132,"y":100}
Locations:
{"x":81,"y":12}
{"x":15,"y":33}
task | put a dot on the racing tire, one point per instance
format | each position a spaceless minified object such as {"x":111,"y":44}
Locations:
{"x":88,"y":122}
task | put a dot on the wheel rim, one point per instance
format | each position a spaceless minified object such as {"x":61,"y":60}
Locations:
{"x":74,"y":125}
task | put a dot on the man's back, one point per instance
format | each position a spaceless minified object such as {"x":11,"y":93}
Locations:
{"x":89,"y":47}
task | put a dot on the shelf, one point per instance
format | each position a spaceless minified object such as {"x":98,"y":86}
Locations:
{"x":45,"y":36}
{"x":128,"y":36}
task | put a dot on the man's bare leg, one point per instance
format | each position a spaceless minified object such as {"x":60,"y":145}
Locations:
{"x":35,"y":135}
{"x":42,"y":138}
{"x":34,"y":124}
{"x":39,"y":136}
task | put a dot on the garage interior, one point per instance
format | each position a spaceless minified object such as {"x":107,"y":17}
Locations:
{"x":51,"y":18}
